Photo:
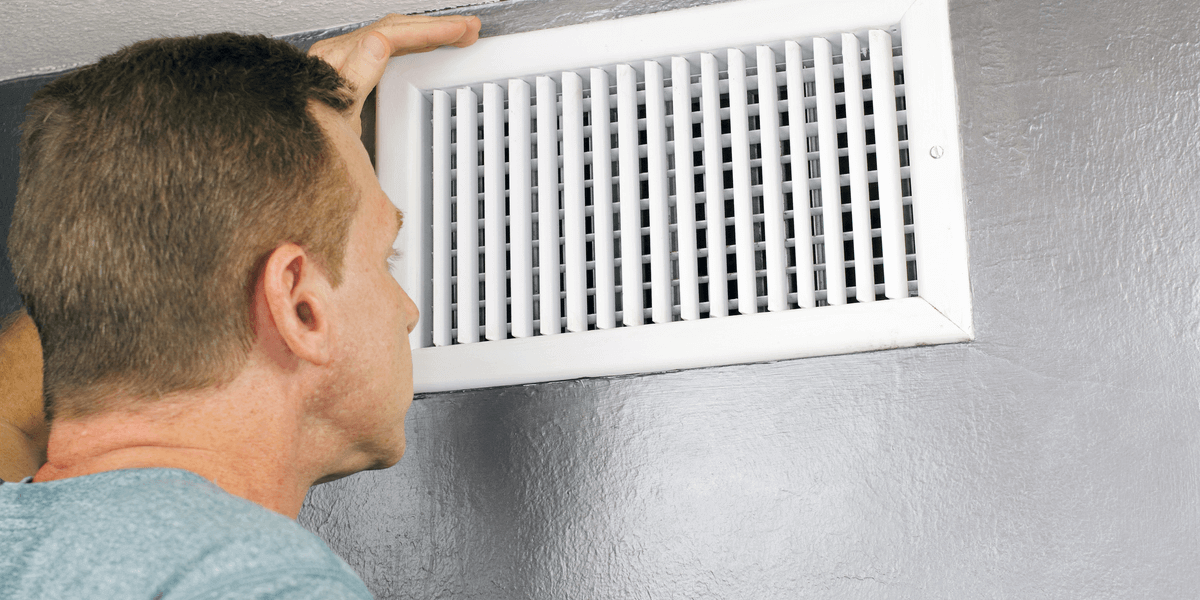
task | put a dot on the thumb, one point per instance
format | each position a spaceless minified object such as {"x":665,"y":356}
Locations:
{"x":365,"y":64}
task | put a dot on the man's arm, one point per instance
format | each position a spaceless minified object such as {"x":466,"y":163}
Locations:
{"x":23,"y":430}
{"x":361,"y":55}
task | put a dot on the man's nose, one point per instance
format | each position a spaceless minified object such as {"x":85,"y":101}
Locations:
{"x":411,"y":312}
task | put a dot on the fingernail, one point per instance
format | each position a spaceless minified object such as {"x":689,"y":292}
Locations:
{"x":375,"y":47}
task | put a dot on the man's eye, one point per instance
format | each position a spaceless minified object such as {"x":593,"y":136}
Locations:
{"x":394,"y":258}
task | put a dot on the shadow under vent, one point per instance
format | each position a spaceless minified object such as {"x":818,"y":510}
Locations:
{"x":717,"y":185}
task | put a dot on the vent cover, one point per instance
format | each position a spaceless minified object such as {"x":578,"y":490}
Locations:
{"x":736,"y":202}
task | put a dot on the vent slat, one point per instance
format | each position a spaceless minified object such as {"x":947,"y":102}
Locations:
{"x":887,"y":153}
{"x":520,"y":212}
{"x":856,"y":146}
{"x":773,"y":153}
{"x":772,"y":182}
{"x":714,"y":194}
{"x":547,"y":181}
{"x":831,"y":192}
{"x":495,"y":299}
{"x":442,"y":295}
{"x":602,"y":202}
{"x":573,"y":201}
{"x":743,"y":217}
{"x":685,"y":196}
{"x":806,"y":296}
{"x":656,"y":160}
{"x":628,"y":155}
{"x":467,"y":126}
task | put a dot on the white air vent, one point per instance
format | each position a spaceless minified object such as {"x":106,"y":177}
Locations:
{"x":600,"y":200}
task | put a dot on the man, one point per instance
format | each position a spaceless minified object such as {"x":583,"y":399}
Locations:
{"x":203,"y":246}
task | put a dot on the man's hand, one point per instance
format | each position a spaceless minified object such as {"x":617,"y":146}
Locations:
{"x":361,"y":55}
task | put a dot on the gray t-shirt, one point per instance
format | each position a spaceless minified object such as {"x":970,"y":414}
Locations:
{"x":157,"y":534}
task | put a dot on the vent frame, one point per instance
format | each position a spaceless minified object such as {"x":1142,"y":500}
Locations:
{"x":940,"y":314}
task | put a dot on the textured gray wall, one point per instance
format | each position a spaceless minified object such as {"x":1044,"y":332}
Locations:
{"x":1057,"y":456}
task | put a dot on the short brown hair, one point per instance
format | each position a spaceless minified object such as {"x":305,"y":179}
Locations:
{"x":153,"y":185}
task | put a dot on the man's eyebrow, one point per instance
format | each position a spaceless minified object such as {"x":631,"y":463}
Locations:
{"x":399,"y":218}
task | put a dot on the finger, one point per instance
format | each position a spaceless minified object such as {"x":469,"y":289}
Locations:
{"x":363,"y":67}
{"x":425,"y":49}
{"x":409,"y":35}
{"x":360,"y":57}
{"x":364,"y":64}
{"x":471,"y":35}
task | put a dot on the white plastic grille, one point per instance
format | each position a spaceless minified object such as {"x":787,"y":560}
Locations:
{"x":542,"y":186}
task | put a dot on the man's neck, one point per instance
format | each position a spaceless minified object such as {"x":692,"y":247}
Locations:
{"x":250,"y":444}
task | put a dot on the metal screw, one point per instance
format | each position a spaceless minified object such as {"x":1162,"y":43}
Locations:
{"x":936,"y":152}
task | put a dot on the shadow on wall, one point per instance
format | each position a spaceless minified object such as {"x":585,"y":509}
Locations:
{"x":14,"y":95}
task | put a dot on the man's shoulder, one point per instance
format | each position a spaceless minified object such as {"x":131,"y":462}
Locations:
{"x":148,"y":531}
{"x":172,"y":503}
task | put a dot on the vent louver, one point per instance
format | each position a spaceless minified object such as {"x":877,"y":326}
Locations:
{"x":648,"y":208}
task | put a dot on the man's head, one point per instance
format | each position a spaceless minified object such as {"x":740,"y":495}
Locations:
{"x":153,"y":186}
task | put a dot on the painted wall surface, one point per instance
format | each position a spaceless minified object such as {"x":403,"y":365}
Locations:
{"x":51,"y":35}
{"x":1057,"y":456}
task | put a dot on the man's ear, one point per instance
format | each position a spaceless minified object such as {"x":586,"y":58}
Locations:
{"x":296,"y":294}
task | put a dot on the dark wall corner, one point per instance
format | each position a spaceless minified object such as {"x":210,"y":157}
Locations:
{"x":14,"y":95}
